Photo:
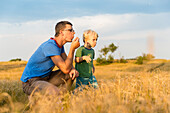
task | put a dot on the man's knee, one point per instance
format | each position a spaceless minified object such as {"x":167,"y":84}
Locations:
{"x":58,"y":77}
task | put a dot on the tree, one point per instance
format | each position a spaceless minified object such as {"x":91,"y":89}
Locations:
{"x":104,"y":51}
{"x":112,"y":47}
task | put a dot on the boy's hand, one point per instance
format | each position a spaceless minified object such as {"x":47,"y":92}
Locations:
{"x":75,"y":43}
{"x":73,"y":74}
{"x":87,"y":59}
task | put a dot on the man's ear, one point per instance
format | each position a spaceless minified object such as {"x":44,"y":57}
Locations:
{"x":61,"y":32}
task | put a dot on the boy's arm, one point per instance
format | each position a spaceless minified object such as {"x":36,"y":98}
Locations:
{"x":93,"y":69}
{"x":80,"y":59}
{"x":93,"y":62}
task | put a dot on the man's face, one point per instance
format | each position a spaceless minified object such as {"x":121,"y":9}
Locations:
{"x":68,"y":33}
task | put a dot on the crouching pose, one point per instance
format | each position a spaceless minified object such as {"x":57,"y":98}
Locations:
{"x":39,"y":75}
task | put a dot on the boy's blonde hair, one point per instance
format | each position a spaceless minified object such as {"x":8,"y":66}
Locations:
{"x":87,"y":33}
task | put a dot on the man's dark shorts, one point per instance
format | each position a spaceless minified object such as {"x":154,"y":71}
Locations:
{"x":52,"y":82}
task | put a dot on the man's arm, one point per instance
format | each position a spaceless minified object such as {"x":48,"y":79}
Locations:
{"x":73,"y":73}
{"x":64,"y":56}
{"x":65,"y":65}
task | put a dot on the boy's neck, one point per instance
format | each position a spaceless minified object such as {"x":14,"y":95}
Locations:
{"x":87,"y":45}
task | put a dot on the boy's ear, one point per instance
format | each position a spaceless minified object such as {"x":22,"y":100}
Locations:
{"x":86,"y":39}
{"x":89,"y":44}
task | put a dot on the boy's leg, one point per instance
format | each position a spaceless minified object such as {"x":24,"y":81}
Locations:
{"x":93,"y":82}
{"x":81,"y":82}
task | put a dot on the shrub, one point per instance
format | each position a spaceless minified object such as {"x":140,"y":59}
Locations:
{"x":102,"y":61}
{"x":110,"y":59}
{"x":99,"y":60}
{"x":122,"y":60}
{"x":139,"y":60}
{"x":148,"y":56}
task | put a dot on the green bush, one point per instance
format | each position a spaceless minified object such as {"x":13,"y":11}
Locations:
{"x":110,"y":59}
{"x":122,"y":60}
{"x":102,"y":61}
{"x":148,"y":56}
{"x":139,"y":60}
{"x":99,"y":60}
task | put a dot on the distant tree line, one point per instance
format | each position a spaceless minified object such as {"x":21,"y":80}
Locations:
{"x":146,"y":57}
{"x":17,"y":59}
{"x":104,"y":58}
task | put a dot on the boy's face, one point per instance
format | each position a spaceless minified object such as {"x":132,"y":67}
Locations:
{"x":92,"y":40}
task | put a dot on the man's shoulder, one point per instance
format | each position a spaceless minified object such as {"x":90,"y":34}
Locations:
{"x":48,"y":43}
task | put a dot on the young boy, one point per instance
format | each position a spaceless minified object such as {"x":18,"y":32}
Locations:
{"x":84,"y":60}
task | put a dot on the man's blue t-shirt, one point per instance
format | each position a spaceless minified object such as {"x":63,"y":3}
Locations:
{"x":40,"y":63}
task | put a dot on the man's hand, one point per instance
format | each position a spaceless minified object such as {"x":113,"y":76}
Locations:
{"x":87,"y":58}
{"x":73,"y":74}
{"x":75,"y":43}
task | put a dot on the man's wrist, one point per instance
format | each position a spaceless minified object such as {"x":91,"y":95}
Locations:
{"x":72,"y":49}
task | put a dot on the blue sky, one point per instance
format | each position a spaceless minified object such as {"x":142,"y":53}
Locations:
{"x":25,"y":10}
{"x":25,"y":24}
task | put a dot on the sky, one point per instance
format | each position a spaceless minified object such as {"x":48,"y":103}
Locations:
{"x":129,"y":24}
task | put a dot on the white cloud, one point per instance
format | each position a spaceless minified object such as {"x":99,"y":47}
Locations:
{"x":116,"y":28}
{"x":160,"y":33}
{"x":125,"y":26}
{"x":11,"y":35}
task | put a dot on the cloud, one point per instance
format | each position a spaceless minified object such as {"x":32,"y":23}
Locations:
{"x":125,"y":26}
{"x":114,"y":27}
{"x":160,"y":33}
{"x":108,"y":25}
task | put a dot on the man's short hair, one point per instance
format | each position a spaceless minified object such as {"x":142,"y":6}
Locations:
{"x":87,"y":33}
{"x":60,"y":26}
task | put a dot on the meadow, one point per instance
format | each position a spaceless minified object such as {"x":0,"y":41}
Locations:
{"x":124,"y":88}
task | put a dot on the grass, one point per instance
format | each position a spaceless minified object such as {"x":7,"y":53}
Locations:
{"x":124,"y":88}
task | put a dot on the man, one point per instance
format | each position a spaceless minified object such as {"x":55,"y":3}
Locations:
{"x":38,"y":74}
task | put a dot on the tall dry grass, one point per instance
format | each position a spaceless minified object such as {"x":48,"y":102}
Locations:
{"x":124,"y":88}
